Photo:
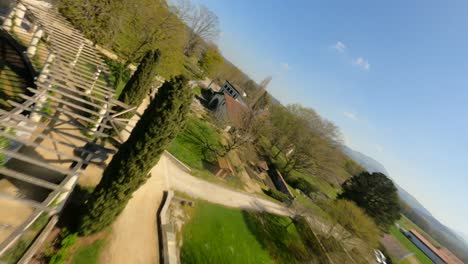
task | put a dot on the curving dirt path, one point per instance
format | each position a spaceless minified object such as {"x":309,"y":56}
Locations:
{"x":134,"y":237}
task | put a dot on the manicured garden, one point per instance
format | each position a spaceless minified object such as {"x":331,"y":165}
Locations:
{"x":190,"y":146}
{"x":220,"y":235}
{"x":217,"y":234}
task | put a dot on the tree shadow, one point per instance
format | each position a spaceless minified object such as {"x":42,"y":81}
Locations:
{"x":272,"y":233}
{"x":74,"y":207}
{"x":195,"y":135}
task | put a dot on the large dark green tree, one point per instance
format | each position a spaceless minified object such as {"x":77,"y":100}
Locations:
{"x":129,"y":168}
{"x":139,"y":85}
{"x":376,"y":194}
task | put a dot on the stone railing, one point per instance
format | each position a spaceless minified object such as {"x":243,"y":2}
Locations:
{"x":167,"y":234}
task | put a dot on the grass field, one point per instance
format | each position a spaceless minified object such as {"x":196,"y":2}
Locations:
{"x":409,"y":245}
{"x":189,"y":145}
{"x":321,"y":184}
{"x":408,"y":224}
{"x":222,"y":235}
{"x":88,"y":254}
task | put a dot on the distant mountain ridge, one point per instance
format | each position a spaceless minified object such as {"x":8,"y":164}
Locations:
{"x":372,"y":165}
{"x":454,"y":238}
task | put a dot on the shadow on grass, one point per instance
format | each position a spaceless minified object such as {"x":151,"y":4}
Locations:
{"x":277,"y":236}
{"x":74,"y":208}
{"x":199,"y":136}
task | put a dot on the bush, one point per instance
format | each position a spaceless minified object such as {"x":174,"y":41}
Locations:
{"x":67,"y":241}
{"x":284,"y":198}
{"x":354,"y":221}
{"x":310,"y":240}
{"x":302,"y":184}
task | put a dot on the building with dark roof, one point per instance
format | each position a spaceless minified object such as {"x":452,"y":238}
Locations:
{"x":229,"y":106}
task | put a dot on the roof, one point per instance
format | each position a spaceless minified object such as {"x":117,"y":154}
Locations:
{"x":436,"y":251}
{"x":240,"y":92}
{"x":235,"y":110}
{"x":452,"y":259}
{"x":224,"y":164}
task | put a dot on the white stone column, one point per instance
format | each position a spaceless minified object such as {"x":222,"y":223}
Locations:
{"x":41,"y":98}
{"x":78,"y":53}
{"x":8,"y":22}
{"x":34,"y":42}
{"x":19,"y":14}
{"x":46,"y":69}
{"x":67,"y":185}
{"x":34,"y":26}
{"x":96,"y":77}
{"x":102,"y":111}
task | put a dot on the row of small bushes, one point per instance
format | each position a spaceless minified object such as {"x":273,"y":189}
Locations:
{"x":67,"y":241}
{"x":282,"y":197}
{"x":302,"y":184}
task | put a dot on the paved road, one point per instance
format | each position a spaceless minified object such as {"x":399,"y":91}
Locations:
{"x":134,"y":236}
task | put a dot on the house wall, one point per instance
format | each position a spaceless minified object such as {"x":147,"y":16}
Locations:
{"x":228,"y":89}
{"x":220,"y":110}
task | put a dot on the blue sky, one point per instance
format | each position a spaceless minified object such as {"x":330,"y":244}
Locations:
{"x":393,"y":75}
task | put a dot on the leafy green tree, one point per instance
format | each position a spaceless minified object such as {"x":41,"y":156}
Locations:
{"x":210,"y":61}
{"x":90,"y":16}
{"x":139,"y":85}
{"x":376,"y":194}
{"x":130,"y":166}
{"x":131,"y":28}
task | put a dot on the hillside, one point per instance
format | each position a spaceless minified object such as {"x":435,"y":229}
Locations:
{"x":416,"y":211}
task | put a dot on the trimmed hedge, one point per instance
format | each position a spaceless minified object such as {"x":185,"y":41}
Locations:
{"x":282,"y":197}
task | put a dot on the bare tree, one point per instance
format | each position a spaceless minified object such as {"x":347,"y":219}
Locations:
{"x":202,"y":24}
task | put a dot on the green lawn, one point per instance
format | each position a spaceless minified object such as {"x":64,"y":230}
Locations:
{"x":88,"y":254}
{"x":408,"y":224}
{"x":217,"y":234}
{"x":409,"y":245}
{"x":189,"y":145}
{"x":321,"y":184}
{"x":220,"y":235}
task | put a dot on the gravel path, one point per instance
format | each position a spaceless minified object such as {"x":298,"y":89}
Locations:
{"x":134,"y":237}
{"x":182,"y":181}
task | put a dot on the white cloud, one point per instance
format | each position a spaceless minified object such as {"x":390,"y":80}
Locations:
{"x":285,"y":66}
{"x":340,"y":47}
{"x":351,"y":115}
{"x":361,"y":62}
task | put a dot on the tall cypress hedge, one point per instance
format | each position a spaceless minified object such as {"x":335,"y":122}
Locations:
{"x":130,"y":166}
{"x":139,"y":85}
